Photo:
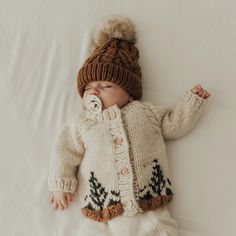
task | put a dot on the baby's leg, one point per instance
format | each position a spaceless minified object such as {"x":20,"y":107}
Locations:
{"x":151,"y":223}
{"x":93,"y":228}
{"x":130,"y":225}
{"x":162,"y":222}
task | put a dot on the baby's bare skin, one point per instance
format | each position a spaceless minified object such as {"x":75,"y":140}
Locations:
{"x":61,"y":200}
{"x":197,"y":89}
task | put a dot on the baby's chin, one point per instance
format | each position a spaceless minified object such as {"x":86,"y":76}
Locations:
{"x":108,"y":106}
{"x":105,"y":106}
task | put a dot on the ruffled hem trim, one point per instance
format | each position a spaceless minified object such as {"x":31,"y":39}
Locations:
{"x":155,"y":202}
{"x":105,"y":214}
{"x":112,"y":211}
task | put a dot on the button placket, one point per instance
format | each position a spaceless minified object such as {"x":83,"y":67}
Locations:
{"x":112,"y":115}
{"x":118,"y":140}
{"x":125,"y":177}
{"x":128,"y":204}
{"x":124,"y":171}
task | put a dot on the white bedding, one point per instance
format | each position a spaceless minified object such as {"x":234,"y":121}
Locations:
{"x":42,"y":45}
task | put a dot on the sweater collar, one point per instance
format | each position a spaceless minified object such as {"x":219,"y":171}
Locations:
{"x":108,"y":114}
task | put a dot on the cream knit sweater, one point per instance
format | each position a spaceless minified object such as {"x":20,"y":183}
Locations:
{"x":117,"y":158}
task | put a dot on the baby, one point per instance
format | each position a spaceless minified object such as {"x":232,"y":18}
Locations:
{"x":114,"y":151}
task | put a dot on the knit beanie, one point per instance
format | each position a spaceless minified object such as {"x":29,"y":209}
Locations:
{"x":114,"y":58}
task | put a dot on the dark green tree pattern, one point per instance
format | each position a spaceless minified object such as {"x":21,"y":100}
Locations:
{"x":114,"y":202}
{"x":98,"y":194}
{"x":157,"y":180}
{"x":157,"y":183}
{"x":168,"y":190}
{"x":146,"y":196}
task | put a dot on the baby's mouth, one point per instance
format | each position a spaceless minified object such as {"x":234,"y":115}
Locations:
{"x":94,"y":104}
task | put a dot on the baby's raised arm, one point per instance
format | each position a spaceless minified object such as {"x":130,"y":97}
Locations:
{"x":177,"y":121}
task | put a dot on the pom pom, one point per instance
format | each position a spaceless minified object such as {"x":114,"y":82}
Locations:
{"x":114,"y":27}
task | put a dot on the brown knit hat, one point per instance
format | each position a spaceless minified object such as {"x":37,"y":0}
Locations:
{"x":114,"y":59}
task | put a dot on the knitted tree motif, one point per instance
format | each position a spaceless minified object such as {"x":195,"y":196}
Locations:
{"x":90,"y":207}
{"x":157,"y":180}
{"x":97,"y":192}
{"x":112,"y":201}
{"x":168,"y":190}
{"x":146,"y":196}
{"x":159,"y":185}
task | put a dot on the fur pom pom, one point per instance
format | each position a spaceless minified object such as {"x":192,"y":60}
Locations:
{"x":115,"y":27}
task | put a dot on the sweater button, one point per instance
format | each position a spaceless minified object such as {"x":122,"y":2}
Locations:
{"x":128,"y":204}
{"x":111,"y":115}
{"x":118,"y":141}
{"x":124,"y":171}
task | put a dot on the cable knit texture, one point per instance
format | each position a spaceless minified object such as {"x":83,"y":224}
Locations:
{"x":115,"y":61}
{"x":115,"y":57}
{"x":118,"y":159}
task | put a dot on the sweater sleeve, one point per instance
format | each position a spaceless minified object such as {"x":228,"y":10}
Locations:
{"x":66,"y":156}
{"x":177,"y":121}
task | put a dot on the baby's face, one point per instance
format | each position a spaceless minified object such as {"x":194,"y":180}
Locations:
{"x":108,"y":92}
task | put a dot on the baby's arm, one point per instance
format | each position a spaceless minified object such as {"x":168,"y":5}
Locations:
{"x":176,"y":122}
{"x":66,"y":157}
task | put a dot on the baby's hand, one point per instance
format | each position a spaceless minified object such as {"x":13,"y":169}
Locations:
{"x":197,"y":89}
{"x":60,"y":200}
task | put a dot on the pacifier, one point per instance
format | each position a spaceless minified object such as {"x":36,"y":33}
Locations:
{"x":94,"y":104}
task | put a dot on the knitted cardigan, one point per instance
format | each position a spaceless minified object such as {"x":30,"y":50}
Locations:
{"x":118,"y":158}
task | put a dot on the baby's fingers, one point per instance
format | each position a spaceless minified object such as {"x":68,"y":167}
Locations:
{"x":54,"y":204}
{"x":200,"y":93}
{"x":69,"y":197}
{"x":196,"y":89}
{"x":51,"y":198}
{"x":60,"y":205}
{"x":53,"y":201}
{"x":63,"y":201}
{"x":206,"y":95}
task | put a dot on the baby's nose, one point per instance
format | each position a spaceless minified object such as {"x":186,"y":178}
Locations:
{"x":94,"y":91}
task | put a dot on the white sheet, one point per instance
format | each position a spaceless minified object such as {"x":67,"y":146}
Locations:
{"x":43,"y":43}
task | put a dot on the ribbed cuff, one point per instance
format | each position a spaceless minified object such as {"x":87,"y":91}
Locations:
{"x":194,"y":101}
{"x":62,"y":184}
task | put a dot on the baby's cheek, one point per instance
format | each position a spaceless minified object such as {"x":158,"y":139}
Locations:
{"x":84,"y":103}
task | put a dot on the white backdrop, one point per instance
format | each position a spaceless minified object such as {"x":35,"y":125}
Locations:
{"x":181,"y":42}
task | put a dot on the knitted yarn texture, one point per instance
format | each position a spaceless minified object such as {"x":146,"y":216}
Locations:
{"x":114,"y":59}
{"x":117,"y":159}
